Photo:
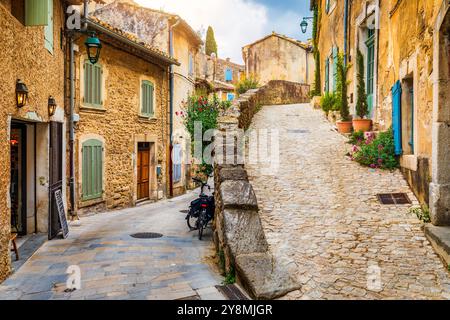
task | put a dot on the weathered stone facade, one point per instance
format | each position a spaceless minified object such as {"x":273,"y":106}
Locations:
{"x":212,"y":73}
{"x":277,"y":57}
{"x":238,"y":232}
{"x":409,"y":47}
{"x":120,"y":125}
{"x":160,"y":29}
{"x":25,"y":57}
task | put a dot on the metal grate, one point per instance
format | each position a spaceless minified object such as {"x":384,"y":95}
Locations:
{"x":146,"y":235}
{"x":231,"y":292}
{"x":393,"y":198}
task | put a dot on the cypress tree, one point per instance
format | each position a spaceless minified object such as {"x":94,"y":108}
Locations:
{"x":211,"y":45}
{"x":362,"y":109}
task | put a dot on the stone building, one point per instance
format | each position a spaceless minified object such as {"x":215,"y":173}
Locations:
{"x":277,"y":57}
{"x":175,"y":37}
{"x":219,"y":75}
{"x":31,"y":139}
{"x":122,"y":137}
{"x":405,"y":45}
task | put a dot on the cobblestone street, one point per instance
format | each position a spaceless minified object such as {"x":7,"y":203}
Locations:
{"x":321,"y":212}
{"x":116,"y":266}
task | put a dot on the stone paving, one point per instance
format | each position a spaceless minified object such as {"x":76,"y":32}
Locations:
{"x":320,"y":211}
{"x":116,"y":266}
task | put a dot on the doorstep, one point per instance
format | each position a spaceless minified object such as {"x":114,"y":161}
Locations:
{"x":440,"y":240}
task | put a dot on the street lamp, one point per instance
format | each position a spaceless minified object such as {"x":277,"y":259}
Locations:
{"x":21,"y":93}
{"x":93,"y":47}
{"x":51,"y":106}
{"x":304,"y":23}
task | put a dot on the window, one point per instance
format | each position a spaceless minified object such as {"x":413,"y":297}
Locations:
{"x":229,"y":75}
{"x":191,"y":64}
{"x":18,"y":10}
{"x":147,"y":96}
{"x":92,"y":170}
{"x":370,"y":67}
{"x":93,"y":84}
{"x":48,"y":29}
{"x":177,"y":155}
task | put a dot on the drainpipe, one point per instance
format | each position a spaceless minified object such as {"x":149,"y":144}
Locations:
{"x":345,"y":32}
{"x":171,"y":52}
{"x":73,"y":212}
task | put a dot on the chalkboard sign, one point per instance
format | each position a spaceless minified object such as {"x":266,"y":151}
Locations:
{"x":61,"y":213}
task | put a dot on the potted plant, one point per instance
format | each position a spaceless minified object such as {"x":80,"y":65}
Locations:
{"x":345,"y":124}
{"x":362,"y":109}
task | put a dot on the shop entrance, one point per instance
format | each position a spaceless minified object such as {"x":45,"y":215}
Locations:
{"x":18,"y":186}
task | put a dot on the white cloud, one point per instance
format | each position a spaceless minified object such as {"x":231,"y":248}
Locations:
{"x":235,"y":22}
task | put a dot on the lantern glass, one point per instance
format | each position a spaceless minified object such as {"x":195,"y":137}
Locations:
{"x":51,"y":106}
{"x":304,"y":26}
{"x":21,"y":94}
{"x":93,"y":48}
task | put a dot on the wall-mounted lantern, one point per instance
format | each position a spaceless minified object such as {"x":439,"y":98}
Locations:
{"x":93,"y":48}
{"x":51,"y":106}
{"x":304,"y":23}
{"x":21,"y":94}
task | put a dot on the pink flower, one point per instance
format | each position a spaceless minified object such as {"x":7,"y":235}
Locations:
{"x":373,"y":166}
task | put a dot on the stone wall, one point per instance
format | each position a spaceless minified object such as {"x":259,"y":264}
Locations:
{"x":24,"y":56}
{"x":121,"y":127}
{"x":276,"y":92}
{"x":238,"y":231}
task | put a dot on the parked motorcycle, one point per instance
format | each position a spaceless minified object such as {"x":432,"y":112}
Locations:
{"x":201,"y":211}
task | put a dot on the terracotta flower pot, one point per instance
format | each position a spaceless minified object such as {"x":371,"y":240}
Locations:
{"x":344,"y":126}
{"x":363,"y":125}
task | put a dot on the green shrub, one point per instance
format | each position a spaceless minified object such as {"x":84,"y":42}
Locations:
{"x":204,"y":110}
{"x":341,"y":89}
{"x":356,"y":138}
{"x":362,"y":108}
{"x":328,"y":102}
{"x":376,"y":152}
{"x":245,"y":84}
{"x":422,"y":213}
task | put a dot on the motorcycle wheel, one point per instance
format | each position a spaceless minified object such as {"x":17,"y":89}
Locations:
{"x":201,"y":224}
{"x":191,"y":222}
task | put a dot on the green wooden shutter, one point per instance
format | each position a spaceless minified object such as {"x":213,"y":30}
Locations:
{"x":36,"y":12}
{"x":92,"y":169}
{"x":327,"y":75}
{"x":93,"y":84}
{"x":48,"y":29}
{"x":147,"y":89}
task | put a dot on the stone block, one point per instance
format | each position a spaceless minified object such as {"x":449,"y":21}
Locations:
{"x":244,"y":233}
{"x":440,"y":204}
{"x":233,"y":173}
{"x":264,"y":277}
{"x":238,"y":194}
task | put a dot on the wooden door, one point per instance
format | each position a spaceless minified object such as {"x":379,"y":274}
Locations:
{"x":143,"y":171}
{"x":56,"y":175}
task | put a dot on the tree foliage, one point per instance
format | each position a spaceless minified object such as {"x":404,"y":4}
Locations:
{"x":211,"y":44}
{"x":362,"y":108}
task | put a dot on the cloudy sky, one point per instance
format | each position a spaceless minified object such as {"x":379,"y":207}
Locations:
{"x":239,"y":22}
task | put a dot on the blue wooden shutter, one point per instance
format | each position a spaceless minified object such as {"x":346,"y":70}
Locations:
{"x":335,"y":62}
{"x":229,"y":75}
{"x":48,"y":29}
{"x":36,"y":12}
{"x":92,"y":169}
{"x":177,"y":152}
{"x":327,"y":75}
{"x":230,"y":96}
{"x":397,"y":117}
